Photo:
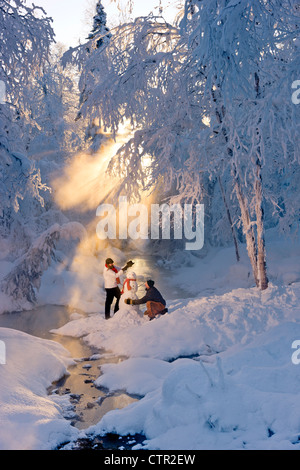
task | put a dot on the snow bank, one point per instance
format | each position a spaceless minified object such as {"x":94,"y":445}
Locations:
{"x":147,"y":373}
{"x":241,"y":389}
{"x":30,"y":418}
{"x":196,"y":326}
{"x":250,"y":401}
{"x":247,"y":398}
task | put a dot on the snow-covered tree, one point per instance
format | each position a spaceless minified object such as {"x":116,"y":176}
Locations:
{"x":49,"y":111}
{"x":100,"y":29}
{"x":237,"y":47}
{"x":22,"y":283}
{"x":26,"y":35}
{"x":80,"y":57}
{"x":202,"y":102}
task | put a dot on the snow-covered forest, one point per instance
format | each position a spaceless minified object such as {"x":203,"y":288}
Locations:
{"x":200,"y":109}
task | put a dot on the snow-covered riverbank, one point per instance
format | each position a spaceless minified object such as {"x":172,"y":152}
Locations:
{"x":215,"y":372}
{"x":247,"y":400}
{"x":30,"y":418}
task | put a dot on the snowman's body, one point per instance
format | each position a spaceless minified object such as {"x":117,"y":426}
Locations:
{"x":129,"y":291}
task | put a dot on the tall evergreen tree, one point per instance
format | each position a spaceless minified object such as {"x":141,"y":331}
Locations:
{"x":100,"y":29}
{"x":80,"y":56}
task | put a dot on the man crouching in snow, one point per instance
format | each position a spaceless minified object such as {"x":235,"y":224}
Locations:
{"x":156,"y":304}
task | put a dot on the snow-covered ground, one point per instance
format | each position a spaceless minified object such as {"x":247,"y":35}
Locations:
{"x":247,"y":398}
{"x":215,"y":372}
{"x":30,"y":418}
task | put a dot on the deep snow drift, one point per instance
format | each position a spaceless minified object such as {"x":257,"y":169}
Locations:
{"x":30,"y":418}
{"x":247,"y":399}
{"x":243,"y":397}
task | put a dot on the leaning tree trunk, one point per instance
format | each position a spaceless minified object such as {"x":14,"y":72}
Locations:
{"x":247,"y":230}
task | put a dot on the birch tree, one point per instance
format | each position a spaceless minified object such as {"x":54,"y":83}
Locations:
{"x":26,"y":35}
{"x":202,"y":100}
{"x":236,"y":47}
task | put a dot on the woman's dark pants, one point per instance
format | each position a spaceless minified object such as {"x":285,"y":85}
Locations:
{"x":110,"y":294}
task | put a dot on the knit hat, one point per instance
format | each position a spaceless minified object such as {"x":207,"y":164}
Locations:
{"x":150,"y":283}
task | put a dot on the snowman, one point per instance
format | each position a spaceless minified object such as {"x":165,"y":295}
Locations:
{"x":129,"y":291}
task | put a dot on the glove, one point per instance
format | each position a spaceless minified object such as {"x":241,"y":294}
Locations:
{"x":128,"y":265}
{"x":128,"y":301}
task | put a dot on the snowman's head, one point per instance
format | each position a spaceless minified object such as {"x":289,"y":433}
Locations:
{"x":131,"y":274}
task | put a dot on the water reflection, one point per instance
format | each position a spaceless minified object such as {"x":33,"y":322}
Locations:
{"x":39,"y":321}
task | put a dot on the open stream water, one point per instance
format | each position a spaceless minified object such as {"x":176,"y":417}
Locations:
{"x":89,"y":404}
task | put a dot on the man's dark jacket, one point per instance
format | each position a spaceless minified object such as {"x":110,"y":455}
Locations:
{"x":152,"y":295}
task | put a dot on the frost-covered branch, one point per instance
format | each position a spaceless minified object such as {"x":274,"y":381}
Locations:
{"x":25,"y":37}
{"x":202,"y":100}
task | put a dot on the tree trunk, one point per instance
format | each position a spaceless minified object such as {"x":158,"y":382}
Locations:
{"x":237,"y":254}
{"x":255,"y":246}
{"x":261,"y":249}
{"x":248,"y":231}
{"x":219,"y":115}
